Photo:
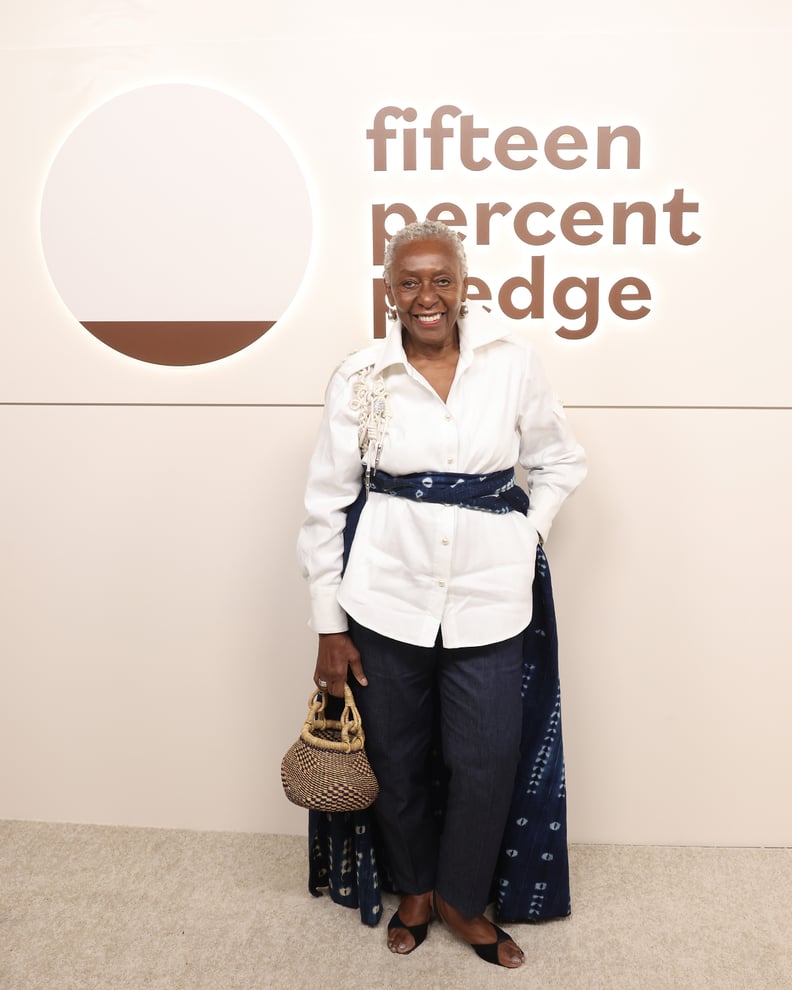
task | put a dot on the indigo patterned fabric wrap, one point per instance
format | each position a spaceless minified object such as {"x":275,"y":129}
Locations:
{"x":532,"y":876}
{"x":495,"y":492}
{"x":342,"y":857}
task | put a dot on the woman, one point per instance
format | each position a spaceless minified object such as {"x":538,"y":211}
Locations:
{"x":429,"y":613}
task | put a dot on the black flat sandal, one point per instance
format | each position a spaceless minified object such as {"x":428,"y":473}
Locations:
{"x":488,"y":951}
{"x":418,"y":932}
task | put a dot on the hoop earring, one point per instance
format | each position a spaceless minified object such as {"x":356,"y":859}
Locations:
{"x":392,"y":314}
{"x":463,"y":312}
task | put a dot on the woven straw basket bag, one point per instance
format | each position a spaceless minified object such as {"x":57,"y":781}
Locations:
{"x":327,"y":768}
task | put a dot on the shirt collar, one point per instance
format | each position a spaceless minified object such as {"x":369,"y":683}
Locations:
{"x":475,"y":330}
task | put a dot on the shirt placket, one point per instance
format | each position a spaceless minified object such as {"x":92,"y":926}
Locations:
{"x":446,"y":517}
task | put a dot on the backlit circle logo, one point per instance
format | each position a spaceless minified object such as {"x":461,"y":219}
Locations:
{"x":176,"y":224}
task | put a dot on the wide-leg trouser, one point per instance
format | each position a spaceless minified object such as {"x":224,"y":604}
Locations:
{"x":475,"y":694}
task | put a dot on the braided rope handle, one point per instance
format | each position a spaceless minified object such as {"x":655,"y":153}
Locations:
{"x":349,"y":725}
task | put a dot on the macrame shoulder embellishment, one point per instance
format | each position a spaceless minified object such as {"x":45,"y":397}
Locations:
{"x":370,"y":401}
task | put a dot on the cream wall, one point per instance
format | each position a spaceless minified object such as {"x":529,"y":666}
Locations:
{"x":154,"y":659}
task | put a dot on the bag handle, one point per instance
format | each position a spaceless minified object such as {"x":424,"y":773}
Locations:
{"x":350,"y":724}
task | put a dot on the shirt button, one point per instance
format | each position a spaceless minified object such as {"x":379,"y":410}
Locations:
{"x":441,"y":584}
{"x":444,"y":541}
{"x":449,"y":417}
{"x":450,"y":460}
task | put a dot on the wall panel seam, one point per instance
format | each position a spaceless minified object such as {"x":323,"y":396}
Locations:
{"x":319,"y":405}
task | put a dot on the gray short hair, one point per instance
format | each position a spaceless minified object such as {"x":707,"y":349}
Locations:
{"x":424,"y":230}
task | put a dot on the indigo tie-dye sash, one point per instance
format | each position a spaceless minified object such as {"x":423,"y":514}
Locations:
{"x":531,"y":882}
{"x":496,"y":492}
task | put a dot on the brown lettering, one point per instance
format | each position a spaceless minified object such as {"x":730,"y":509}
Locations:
{"x":466,"y":139}
{"x":478,"y":290}
{"x":535,"y":308}
{"x":555,"y":145}
{"x":484,"y":211}
{"x":521,"y":223}
{"x":458,"y":218}
{"x":589,"y":310}
{"x":619,"y":295}
{"x":436,"y":133}
{"x":379,"y":215}
{"x":570,"y":220}
{"x":623,"y":210}
{"x":517,"y":139}
{"x":380,"y":134}
{"x":378,"y":308}
{"x":676,"y":207}
{"x":605,"y":136}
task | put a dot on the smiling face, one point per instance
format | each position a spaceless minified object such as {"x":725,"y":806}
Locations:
{"x":427,"y":289}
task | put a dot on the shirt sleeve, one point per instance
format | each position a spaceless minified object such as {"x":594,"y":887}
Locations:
{"x":333,"y":484}
{"x":555,"y":462}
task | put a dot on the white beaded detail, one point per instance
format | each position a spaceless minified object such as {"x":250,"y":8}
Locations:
{"x":370,"y":401}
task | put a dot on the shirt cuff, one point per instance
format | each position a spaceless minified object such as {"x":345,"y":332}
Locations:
{"x":327,"y":616}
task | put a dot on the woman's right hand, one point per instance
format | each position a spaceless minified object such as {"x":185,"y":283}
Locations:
{"x":337,"y":654}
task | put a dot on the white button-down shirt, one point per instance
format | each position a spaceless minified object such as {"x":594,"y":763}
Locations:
{"x":418,"y":567}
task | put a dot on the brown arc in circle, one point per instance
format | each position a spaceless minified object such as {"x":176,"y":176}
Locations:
{"x":178,"y":342}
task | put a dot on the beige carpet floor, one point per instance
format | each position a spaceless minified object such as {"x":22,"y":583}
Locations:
{"x":96,"y":908}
